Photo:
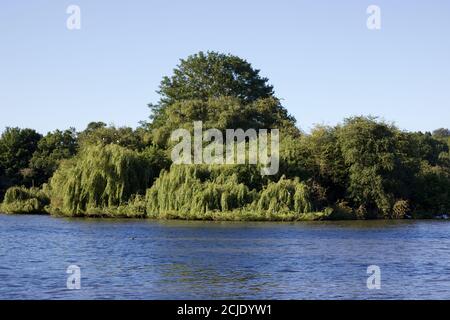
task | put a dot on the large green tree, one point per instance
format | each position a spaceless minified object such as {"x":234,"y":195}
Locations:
{"x":16,"y":149}
{"x":51,"y":149}
{"x":377,"y":164}
{"x":203,"y":76}
{"x":212,"y":74}
{"x":100,"y":177}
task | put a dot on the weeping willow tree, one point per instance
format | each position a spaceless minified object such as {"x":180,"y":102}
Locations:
{"x":208,"y":192}
{"x":100,"y":177}
{"x":24,"y":200}
{"x":194,"y":190}
{"x":285,"y":196}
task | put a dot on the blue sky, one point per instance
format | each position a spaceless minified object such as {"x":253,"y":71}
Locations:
{"x":319,"y":55}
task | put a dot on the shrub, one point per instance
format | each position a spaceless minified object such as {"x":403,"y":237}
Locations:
{"x":342,"y":211}
{"x":400,"y":209}
{"x":23,"y":200}
{"x":285,"y":196}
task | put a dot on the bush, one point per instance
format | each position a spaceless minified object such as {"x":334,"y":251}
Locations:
{"x":23,"y":200}
{"x":400,"y":209}
{"x":342,"y":211}
{"x":285,"y":196}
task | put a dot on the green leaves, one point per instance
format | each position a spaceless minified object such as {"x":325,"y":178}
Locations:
{"x":51,"y":149}
{"x":211,"y":75}
{"x":16,"y":149}
{"x":99,"y":177}
{"x":372,"y":166}
{"x":23,"y":200}
{"x":195,"y":190}
{"x":223,"y":113}
{"x":223,"y":91}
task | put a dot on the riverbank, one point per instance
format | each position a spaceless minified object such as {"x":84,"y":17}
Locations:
{"x":183,"y":194}
{"x":236,"y":215}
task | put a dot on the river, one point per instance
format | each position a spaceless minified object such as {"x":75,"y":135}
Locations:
{"x":144,"y":259}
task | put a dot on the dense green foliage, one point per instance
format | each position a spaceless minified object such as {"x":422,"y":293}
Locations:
{"x":51,"y":149}
{"x":206,"y":192}
{"x":23,"y":200}
{"x":99,"y":177}
{"x":206,"y":75}
{"x":363,"y":168}
{"x":100,"y":133}
{"x":209,"y":75}
{"x":372,"y":167}
{"x":192,"y":190}
{"x":224,"y":113}
{"x":16,"y":149}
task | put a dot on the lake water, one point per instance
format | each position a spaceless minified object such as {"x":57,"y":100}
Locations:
{"x":140,"y":259}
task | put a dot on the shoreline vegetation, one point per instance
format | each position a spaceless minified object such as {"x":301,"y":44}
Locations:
{"x":363,"y":168}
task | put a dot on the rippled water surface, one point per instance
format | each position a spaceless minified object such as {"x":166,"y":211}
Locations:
{"x":139,"y":259}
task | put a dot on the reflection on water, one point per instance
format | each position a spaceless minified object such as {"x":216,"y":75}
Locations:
{"x":139,"y":259}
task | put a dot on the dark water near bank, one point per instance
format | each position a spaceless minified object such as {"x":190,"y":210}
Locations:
{"x":138,"y":259}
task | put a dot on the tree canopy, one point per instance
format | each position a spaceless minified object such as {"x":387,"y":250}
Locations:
{"x":212,"y":75}
{"x":51,"y":149}
{"x":224,"y":113}
{"x":17,"y":147}
{"x":203,"y":76}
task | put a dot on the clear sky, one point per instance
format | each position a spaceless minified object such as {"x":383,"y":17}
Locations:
{"x":321,"y":58}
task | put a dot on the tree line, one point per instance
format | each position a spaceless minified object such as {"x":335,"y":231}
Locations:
{"x":362,"y":168}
